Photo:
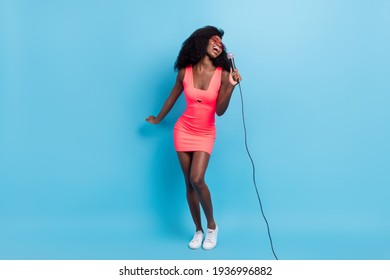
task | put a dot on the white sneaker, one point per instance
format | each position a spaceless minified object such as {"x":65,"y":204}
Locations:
{"x":211,"y":239}
{"x":196,"y":241}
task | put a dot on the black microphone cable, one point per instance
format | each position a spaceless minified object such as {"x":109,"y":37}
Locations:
{"x":254,"y":172}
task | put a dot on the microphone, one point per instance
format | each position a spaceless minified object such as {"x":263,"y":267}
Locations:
{"x":230,"y":57}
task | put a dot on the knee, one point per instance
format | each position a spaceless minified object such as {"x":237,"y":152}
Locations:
{"x":197,"y":181}
{"x":189,"y":187}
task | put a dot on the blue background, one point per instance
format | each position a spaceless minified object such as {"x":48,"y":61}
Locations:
{"x":83,"y":176}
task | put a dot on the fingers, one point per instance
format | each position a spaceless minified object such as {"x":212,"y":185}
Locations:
{"x":236,"y":76}
{"x":152,"y":120}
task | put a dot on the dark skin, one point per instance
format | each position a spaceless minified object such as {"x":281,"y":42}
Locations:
{"x":194,"y":164}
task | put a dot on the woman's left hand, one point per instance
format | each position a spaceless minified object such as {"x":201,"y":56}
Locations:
{"x":234,"y":77}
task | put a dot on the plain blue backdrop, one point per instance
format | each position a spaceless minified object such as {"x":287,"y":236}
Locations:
{"x":83,"y":176}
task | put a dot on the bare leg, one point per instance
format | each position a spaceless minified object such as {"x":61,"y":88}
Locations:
{"x":185,"y":159}
{"x":199,"y":164}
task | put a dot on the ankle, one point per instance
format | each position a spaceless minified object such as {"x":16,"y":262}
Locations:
{"x":212,"y":225}
{"x":199,"y":229}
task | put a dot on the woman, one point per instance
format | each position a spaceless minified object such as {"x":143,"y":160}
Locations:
{"x":208,"y":83}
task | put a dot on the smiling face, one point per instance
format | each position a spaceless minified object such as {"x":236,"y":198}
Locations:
{"x":215,"y":47}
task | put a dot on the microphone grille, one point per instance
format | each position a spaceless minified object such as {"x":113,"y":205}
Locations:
{"x":230,"y":56}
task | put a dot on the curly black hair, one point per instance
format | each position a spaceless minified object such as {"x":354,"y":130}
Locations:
{"x":194,"y":48}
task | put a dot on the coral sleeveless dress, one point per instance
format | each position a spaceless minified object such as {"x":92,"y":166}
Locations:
{"x":195,"y":129}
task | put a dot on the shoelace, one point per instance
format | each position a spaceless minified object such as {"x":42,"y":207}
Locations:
{"x":210,"y":236}
{"x":198,"y":235}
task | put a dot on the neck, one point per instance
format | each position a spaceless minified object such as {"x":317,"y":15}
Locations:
{"x":205,"y":63}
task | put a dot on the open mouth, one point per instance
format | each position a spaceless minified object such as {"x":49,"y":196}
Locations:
{"x":216,"y":49}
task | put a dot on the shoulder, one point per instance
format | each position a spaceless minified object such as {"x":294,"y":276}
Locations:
{"x":181,"y":73}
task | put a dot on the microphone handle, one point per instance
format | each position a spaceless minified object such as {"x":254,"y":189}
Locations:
{"x":232,"y":64}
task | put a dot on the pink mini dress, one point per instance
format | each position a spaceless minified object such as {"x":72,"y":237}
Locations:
{"x":195,"y":129}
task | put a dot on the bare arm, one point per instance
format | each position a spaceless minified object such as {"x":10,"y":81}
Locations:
{"x":171,"y":100}
{"x":229,"y":81}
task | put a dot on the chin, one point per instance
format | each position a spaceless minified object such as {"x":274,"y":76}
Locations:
{"x":213,"y":56}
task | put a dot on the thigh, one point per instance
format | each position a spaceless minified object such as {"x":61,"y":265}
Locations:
{"x":185,"y":159}
{"x":200,"y":161}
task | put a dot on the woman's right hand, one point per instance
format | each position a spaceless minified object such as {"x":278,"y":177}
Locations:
{"x":152,"y":119}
